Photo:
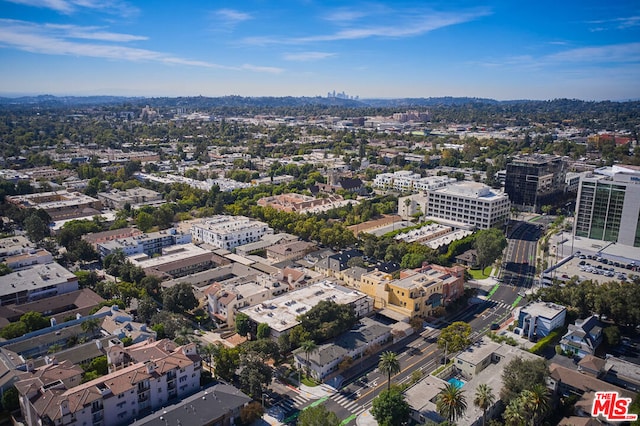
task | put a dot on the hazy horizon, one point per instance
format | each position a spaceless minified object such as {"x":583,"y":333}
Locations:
{"x":375,"y":50}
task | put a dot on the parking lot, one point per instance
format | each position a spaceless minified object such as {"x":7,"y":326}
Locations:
{"x":596,"y":268}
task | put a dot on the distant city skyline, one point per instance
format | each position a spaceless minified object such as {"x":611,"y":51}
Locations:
{"x":496,"y":49}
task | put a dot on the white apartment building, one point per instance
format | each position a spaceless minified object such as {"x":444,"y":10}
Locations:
{"x":469,"y":202}
{"x":143,"y":378}
{"x":407,"y":181}
{"x":228,"y":232}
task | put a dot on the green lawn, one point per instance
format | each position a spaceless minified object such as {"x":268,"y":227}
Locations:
{"x":309,"y":381}
{"x":480,"y":274}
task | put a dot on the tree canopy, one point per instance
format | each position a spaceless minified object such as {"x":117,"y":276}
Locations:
{"x":327,"y":320}
{"x":520,"y":375}
{"x":455,"y":337}
{"x":318,"y":416}
{"x":390,"y":408}
{"x":489,"y":244}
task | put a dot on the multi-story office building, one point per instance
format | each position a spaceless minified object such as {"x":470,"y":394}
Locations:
{"x":535,"y":180}
{"x":228,"y":232}
{"x":469,"y":202}
{"x":608,"y":206}
{"x":149,"y":244}
{"x":142,"y":378}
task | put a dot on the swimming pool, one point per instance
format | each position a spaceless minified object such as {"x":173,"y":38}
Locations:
{"x":456,"y":382}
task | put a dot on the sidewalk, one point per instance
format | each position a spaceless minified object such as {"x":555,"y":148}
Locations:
{"x":366,"y":419}
{"x":316,"y":392}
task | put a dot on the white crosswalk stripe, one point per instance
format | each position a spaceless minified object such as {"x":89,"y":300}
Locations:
{"x":289,"y":404}
{"x":347,"y":403}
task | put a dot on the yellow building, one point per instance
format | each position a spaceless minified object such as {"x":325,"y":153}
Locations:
{"x":415,"y":294}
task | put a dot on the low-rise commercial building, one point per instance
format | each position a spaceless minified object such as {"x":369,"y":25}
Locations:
{"x":134,"y":197}
{"x":60,"y":205}
{"x":37,"y":282}
{"x":281,"y":313}
{"x":149,"y":244}
{"x":407,"y":181}
{"x":175,"y":261}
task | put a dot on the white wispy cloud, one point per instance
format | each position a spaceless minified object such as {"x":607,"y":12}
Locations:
{"x":229,"y":18}
{"x":407,"y":27}
{"x":118,"y":7}
{"x":51,"y":39}
{"x":624,"y":52}
{"x":91,"y":33}
{"x":615,"y":23}
{"x":307,"y":56}
{"x":344,"y":15}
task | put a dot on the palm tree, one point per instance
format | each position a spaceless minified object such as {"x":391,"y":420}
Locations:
{"x":484,"y":398}
{"x":390,"y":365}
{"x":513,"y":415}
{"x":308,"y":346}
{"x":535,"y":402}
{"x":91,"y":326}
{"x":451,"y":402}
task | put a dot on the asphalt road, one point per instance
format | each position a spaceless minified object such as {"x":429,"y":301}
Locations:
{"x":421,"y":352}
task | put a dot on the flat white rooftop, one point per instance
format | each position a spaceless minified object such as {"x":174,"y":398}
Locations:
{"x":281,"y":313}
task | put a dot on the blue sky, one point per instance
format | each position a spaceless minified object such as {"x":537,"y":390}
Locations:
{"x":501,"y":49}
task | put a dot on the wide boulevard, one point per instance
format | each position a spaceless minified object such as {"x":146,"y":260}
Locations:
{"x":420,"y":352}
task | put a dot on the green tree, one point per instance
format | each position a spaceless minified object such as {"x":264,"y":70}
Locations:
{"x":251,"y":412}
{"x":13,"y":330}
{"x":308,"y":346}
{"x":36,"y":228}
{"x":521,"y":375}
{"x":144,"y":221}
{"x":514,"y":414}
{"x":255,"y":374}
{"x":226,"y":361}
{"x":489,"y":243}
{"x":390,"y":408}
{"x":243,"y":324}
{"x":34,"y":321}
{"x":147,"y":308}
{"x":451,"y":402}
{"x":179,"y":298}
{"x":483,"y":399}
{"x":10,"y":399}
{"x":263,"y":331}
{"x":535,"y":402}
{"x":318,"y":416}
{"x":612,"y":335}
{"x":389,"y":365}
{"x":4,"y":269}
{"x":455,"y":337}
{"x":91,"y":326}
